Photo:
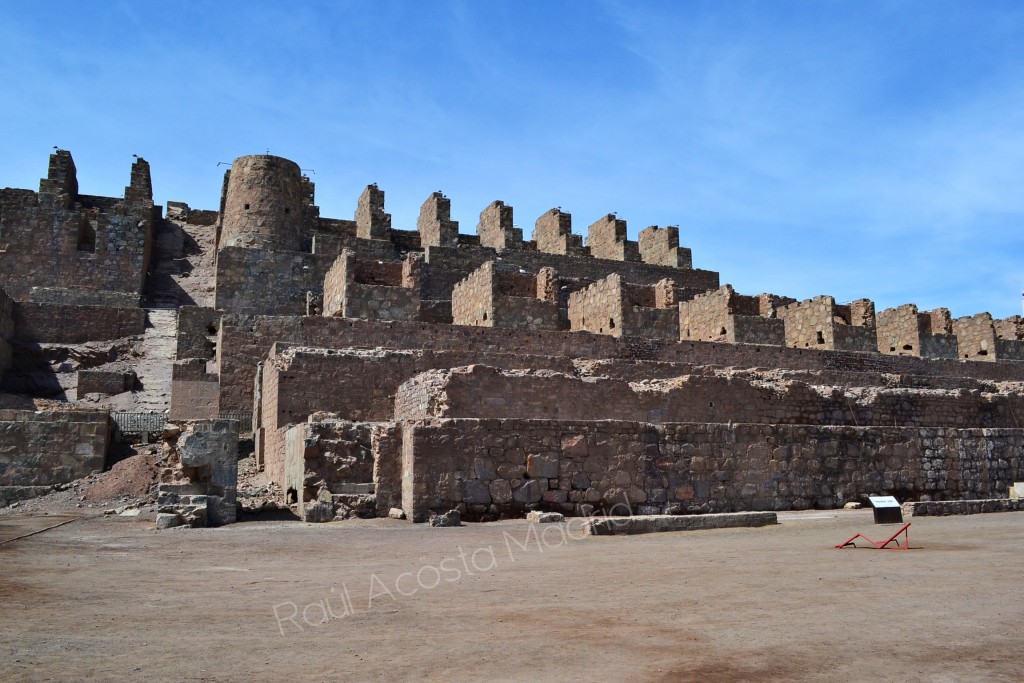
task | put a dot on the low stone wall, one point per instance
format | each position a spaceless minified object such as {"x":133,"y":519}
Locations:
{"x":106,"y":382}
{"x":934,"y":508}
{"x":649,"y":524}
{"x":501,"y":468}
{"x":40,"y":449}
{"x":69,"y":324}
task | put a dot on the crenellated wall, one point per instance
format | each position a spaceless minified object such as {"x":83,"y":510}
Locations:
{"x":84,"y":244}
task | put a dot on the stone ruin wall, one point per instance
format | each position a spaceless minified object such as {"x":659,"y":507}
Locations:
{"x":820,"y":323}
{"x":980,"y":338}
{"x":501,"y":468}
{"x":40,"y":449}
{"x":906,"y":332}
{"x":485,"y":392}
{"x":244,"y":341}
{"x":356,"y":385}
{"x":60,"y":239}
{"x":6,"y":331}
{"x":71,"y":324}
{"x":723,"y":315}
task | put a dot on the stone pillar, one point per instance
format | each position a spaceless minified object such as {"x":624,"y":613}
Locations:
{"x":60,"y":186}
{"x":372,"y":223}
{"x":547,"y":285}
{"x":496,"y":229}
{"x":553,"y":234}
{"x":607,"y":239}
{"x":140,"y":187}
{"x":665,"y":294}
{"x":660,"y":247}
{"x":435,"y":225}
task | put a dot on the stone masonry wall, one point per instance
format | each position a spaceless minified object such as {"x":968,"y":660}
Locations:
{"x":606,"y":238}
{"x":435,"y":223}
{"x":6,"y":331}
{"x":598,"y":308}
{"x":723,"y":315}
{"x":197,"y":332}
{"x":821,"y":323}
{"x":67,"y":324}
{"x":58,"y":238}
{"x":246,"y":340}
{"x":903,"y":331}
{"x":501,"y":468}
{"x":486,"y":392}
{"x":266,"y":282}
{"x":194,"y":391}
{"x":496,"y":229}
{"x":356,"y":385}
{"x":326,"y":455}
{"x":660,"y":246}
{"x":53,"y":447}
{"x":553,"y":234}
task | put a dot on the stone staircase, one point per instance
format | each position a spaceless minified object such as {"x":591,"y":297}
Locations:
{"x":157,"y":361}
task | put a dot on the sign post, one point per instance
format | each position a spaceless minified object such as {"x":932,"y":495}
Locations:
{"x":887,"y":510}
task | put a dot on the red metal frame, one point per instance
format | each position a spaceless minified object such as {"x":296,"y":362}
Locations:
{"x":881,"y":544}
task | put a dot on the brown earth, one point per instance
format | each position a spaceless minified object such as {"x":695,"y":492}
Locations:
{"x":109,"y":598}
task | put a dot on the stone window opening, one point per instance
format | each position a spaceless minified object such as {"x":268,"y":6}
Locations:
{"x":287,"y":210}
{"x":721,"y":331}
{"x":485,"y":315}
{"x":246,"y":207}
{"x":821,"y":337}
{"x":982,"y":352}
{"x":611,"y":323}
{"x":86,"y":236}
{"x":908,"y":347}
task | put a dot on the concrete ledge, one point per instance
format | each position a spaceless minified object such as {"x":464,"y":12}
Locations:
{"x":648,"y":524}
{"x":937,"y":508}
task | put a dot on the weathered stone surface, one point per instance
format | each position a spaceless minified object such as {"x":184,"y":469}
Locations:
{"x":936,"y":508}
{"x":539,"y":517}
{"x":646,"y":524}
{"x":450,"y":518}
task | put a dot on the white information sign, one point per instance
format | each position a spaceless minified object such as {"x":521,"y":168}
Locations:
{"x":883,"y":502}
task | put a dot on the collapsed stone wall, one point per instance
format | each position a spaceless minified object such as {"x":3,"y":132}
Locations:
{"x":40,"y":449}
{"x":325,"y":459}
{"x":501,"y":468}
{"x":71,"y":324}
{"x":489,"y":298}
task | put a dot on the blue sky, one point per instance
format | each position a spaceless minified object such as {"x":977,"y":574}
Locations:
{"x":858,"y":149}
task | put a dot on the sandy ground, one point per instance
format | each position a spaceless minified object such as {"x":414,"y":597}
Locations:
{"x":109,"y":598}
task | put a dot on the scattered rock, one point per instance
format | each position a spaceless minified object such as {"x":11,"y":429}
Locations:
{"x":450,"y":518}
{"x":166,"y":520}
{"x":396,"y":513}
{"x":853,"y":506}
{"x":544,"y":517}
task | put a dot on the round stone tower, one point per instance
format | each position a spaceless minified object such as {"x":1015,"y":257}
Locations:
{"x":263,"y":204}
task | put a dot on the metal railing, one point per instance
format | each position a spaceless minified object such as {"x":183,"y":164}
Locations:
{"x":139,"y":423}
{"x":147,"y":423}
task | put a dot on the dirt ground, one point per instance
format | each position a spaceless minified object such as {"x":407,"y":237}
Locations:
{"x":109,"y":598}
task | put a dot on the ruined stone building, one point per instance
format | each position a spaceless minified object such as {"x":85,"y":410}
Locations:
{"x":431,"y":369}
